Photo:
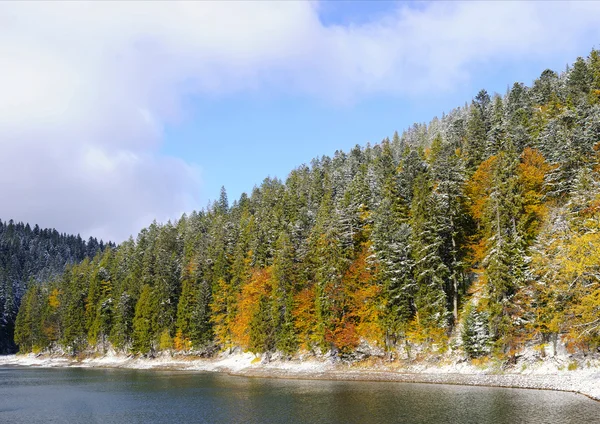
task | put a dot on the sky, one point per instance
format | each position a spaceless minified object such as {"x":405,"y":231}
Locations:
{"x":113,"y":114}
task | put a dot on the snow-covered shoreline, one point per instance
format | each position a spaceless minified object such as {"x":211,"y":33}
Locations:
{"x":544,"y":375}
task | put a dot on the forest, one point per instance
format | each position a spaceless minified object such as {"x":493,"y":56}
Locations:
{"x":30,"y":256}
{"x":478,"y":232}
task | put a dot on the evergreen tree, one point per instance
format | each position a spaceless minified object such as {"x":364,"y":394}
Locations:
{"x":505,"y":262}
{"x":475,"y":333}
{"x":282,"y":293}
{"x":378,"y":246}
{"x":144,"y":322}
{"x":431,"y":273}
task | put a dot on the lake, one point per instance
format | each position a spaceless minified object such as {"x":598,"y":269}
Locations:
{"x":74,"y":395}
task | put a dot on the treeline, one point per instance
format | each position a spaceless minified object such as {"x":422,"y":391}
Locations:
{"x":30,"y":256}
{"x":486,"y":220}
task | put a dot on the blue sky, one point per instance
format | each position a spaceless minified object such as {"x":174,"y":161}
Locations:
{"x":241,"y":139}
{"x":115,"y":114}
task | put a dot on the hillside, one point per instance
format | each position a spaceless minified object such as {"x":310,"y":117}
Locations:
{"x":29,"y":256}
{"x":478,"y":231}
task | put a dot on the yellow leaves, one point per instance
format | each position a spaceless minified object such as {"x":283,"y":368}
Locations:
{"x":478,"y":187}
{"x":435,"y":338}
{"x":165,"y":342}
{"x":533,"y":169}
{"x":190,"y":268}
{"x":368,"y":314}
{"x":181,"y":343}
{"x":582,"y":256}
{"x":221,"y":307}
{"x":567,"y":295}
{"x":304,"y":316}
{"x":54,"y":298}
{"x":478,"y":251}
{"x":363,"y":298}
{"x":532,"y":173}
{"x":587,"y":313}
{"x":427,"y":153}
{"x":248,"y":304}
{"x":584,"y":329}
{"x":364,"y":213}
{"x":354,"y":312}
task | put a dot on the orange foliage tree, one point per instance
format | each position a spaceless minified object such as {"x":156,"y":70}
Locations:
{"x":255,"y":291}
{"x":305,"y":316}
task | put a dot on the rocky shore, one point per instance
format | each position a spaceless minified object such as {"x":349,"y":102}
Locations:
{"x":544,"y":375}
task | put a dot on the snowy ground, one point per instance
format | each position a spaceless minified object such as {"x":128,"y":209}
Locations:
{"x":548,"y":374}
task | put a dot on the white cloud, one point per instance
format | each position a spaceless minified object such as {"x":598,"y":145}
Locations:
{"x":86,"y":88}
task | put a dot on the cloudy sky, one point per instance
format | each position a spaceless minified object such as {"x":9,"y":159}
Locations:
{"x":113,"y":114}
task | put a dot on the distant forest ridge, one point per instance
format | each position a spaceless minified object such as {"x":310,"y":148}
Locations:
{"x":478,"y":232}
{"x":30,"y":256}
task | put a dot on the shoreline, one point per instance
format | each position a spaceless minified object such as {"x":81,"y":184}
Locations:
{"x":584,"y":381}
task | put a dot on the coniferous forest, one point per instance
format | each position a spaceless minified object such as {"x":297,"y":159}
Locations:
{"x":29,"y":256}
{"x":479,"y":231}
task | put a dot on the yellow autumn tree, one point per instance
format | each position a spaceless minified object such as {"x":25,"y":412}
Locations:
{"x":477,"y":190}
{"x":532,"y":170}
{"x":255,"y":290}
{"x":304,"y":314}
{"x":565,"y":293}
{"x":364,"y":297}
{"x":51,"y":316}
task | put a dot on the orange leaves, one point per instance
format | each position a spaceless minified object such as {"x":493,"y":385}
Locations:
{"x":363,"y":297}
{"x":597,"y":150}
{"x":356,"y":312}
{"x":435,"y":337}
{"x":479,"y":186}
{"x":305,"y":316}
{"x":533,"y":169}
{"x":181,"y":343}
{"x":353,"y":309}
{"x":343,"y":336}
{"x":248,"y":304}
{"x":478,"y":189}
{"x":478,"y":250}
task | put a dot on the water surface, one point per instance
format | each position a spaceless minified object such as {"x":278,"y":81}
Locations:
{"x":73,"y":395}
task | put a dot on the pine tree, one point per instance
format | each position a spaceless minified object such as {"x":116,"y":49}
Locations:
{"x":377,"y":245}
{"x":282,"y":292}
{"x":29,"y":334}
{"x":329,"y":262}
{"x":505,"y":262}
{"x":475,"y":146}
{"x":144,"y":324}
{"x":475,"y":333}
{"x":497,"y":133}
{"x":391,"y":242}
{"x":431,"y":273}
{"x":100,"y":302}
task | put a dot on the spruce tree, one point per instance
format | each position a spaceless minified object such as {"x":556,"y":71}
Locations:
{"x":144,"y":323}
{"x":431,"y":273}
